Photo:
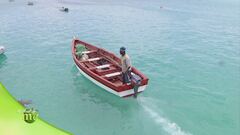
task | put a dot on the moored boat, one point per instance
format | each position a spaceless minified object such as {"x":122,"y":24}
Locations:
{"x":2,"y":49}
{"x":30,"y":3}
{"x":103,"y":68}
{"x":63,"y":9}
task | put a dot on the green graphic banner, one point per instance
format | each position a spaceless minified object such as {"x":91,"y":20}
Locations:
{"x":12,"y":119}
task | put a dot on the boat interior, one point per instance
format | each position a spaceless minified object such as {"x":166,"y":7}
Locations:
{"x":103,"y":65}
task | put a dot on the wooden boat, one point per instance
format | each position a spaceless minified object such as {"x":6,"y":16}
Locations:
{"x":102,"y":68}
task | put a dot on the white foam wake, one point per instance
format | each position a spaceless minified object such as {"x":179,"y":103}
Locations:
{"x":168,"y":126}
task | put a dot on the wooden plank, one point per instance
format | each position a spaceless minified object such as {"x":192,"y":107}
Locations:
{"x":87,"y":52}
{"x":103,"y":66}
{"x":113,"y":74}
{"x":94,"y":59}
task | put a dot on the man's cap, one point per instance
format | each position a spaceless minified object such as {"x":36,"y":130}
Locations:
{"x":122,"y":49}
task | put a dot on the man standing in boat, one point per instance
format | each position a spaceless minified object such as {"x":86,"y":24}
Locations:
{"x":126,"y":66}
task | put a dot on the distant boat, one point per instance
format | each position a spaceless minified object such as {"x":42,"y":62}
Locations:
{"x":30,"y":3}
{"x":64,"y":9}
{"x":2,"y":49}
{"x":102,"y":68}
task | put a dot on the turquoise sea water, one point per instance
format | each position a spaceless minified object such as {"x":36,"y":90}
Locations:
{"x":190,"y":50}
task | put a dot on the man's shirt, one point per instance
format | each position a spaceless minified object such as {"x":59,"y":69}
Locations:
{"x":125,"y":62}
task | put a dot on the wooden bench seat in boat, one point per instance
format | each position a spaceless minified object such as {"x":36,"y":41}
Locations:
{"x":92,"y":59}
{"x":111,"y":69}
{"x":103,"y":66}
{"x":113,"y":74}
{"x":87,"y":52}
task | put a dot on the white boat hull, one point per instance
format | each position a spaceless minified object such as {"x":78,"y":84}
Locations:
{"x":120,"y":94}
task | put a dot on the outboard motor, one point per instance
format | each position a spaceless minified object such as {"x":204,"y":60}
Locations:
{"x":136,"y":81}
